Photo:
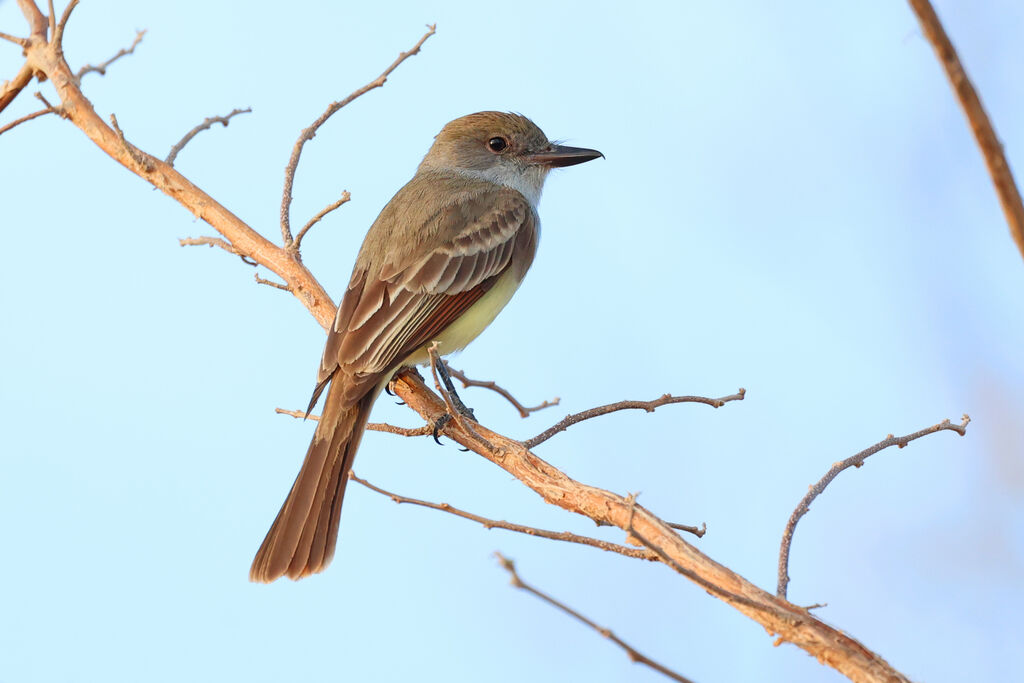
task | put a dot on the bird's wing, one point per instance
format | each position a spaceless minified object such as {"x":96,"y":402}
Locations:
{"x":392,"y":309}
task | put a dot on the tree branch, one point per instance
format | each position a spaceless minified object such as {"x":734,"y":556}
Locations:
{"x":649,"y":406}
{"x":636,"y":553}
{"x":505,"y":393}
{"x":631,"y":652}
{"x":297,"y":244}
{"x":981,"y":125}
{"x":371,"y":426}
{"x":853,"y":461}
{"x":101,"y":68}
{"x":310,"y":132}
{"x":206,"y":124}
{"x":27,"y":117}
{"x":790,"y":622}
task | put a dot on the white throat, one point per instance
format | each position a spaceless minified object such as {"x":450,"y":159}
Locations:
{"x":528,"y":181}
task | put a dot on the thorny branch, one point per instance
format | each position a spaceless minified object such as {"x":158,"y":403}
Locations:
{"x":205,"y":125}
{"x":853,"y":461}
{"x":649,"y":406}
{"x":636,"y":553}
{"x":631,"y":652}
{"x":981,"y":124}
{"x":310,"y":132}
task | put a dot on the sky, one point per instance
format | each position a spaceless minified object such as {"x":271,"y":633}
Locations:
{"x":791,"y":202}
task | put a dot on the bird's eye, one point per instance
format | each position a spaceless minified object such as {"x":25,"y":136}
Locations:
{"x":497,"y":145}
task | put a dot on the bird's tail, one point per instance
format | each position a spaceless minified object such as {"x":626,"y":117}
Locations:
{"x":302,"y":538}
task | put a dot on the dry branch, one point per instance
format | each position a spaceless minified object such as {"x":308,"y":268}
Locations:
{"x":648,"y":406}
{"x":569,"y":537}
{"x":310,"y":132}
{"x":297,"y":244}
{"x":787,"y":621}
{"x":631,"y":652}
{"x":853,"y":461}
{"x":504,"y":393}
{"x":372,"y":426}
{"x":102,"y":67}
{"x":981,"y":125}
{"x":792,"y":623}
{"x":205,"y":125}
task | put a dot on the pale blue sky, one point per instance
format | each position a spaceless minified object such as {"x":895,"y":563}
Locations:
{"x":791,"y":202}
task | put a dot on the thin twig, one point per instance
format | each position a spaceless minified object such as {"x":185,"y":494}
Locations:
{"x":631,"y":652}
{"x":23,"y":42}
{"x":310,"y":132}
{"x":134,"y":152}
{"x":493,"y":386}
{"x":637,"y":553}
{"x":271,"y":283}
{"x":27,"y":117}
{"x":853,"y":461}
{"x":649,"y":406}
{"x":372,"y":426}
{"x":101,"y":68}
{"x":206,"y":124}
{"x":13,"y":87}
{"x":981,"y":124}
{"x":345,"y":196}
{"x":698,"y":532}
{"x":58,"y":33}
{"x":208,"y":241}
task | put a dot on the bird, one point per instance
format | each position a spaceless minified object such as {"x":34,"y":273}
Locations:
{"x":438,"y":264}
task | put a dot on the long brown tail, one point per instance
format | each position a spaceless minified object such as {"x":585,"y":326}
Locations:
{"x":302,"y":538}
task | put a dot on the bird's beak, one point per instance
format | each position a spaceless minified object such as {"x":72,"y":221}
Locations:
{"x":560,"y":155}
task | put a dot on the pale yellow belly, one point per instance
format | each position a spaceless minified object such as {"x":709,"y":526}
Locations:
{"x":471,"y":323}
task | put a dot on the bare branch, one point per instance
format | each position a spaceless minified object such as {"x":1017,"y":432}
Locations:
{"x":698,"y":532}
{"x":981,"y":125}
{"x":649,"y":406}
{"x":58,"y":33}
{"x":345,"y":196}
{"x":853,"y":461}
{"x":493,"y":386}
{"x":101,"y":68}
{"x":208,"y":241}
{"x":23,"y":42}
{"x":790,"y":622}
{"x":271,"y":283}
{"x":134,"y":152}
{"x":14,"y":86}
{"x":310,"y":132}
{"x":206,"y":124}
{"x":372,"y":426}
{"x":636,"y":553}
{"x":27,"y":117}
{"x":631,"y":652}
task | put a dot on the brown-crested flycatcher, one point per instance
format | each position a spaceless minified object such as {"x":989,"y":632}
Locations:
{"x":441,"y":260}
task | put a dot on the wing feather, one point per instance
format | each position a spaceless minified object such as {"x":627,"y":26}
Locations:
{"x":394,"y":307}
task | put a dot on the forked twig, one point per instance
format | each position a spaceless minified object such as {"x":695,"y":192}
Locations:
{"x":310,"y":132}
{"x":634,"y":656}
{"x":649,"y":406}
{"x":205,"y":125}
{"x":853,"y":461}
{"x":636,"y":553}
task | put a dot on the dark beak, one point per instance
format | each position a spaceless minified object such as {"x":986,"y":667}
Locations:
{"x":560,"y":155}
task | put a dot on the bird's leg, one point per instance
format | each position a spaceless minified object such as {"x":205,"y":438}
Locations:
{"x":466,"y":411}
